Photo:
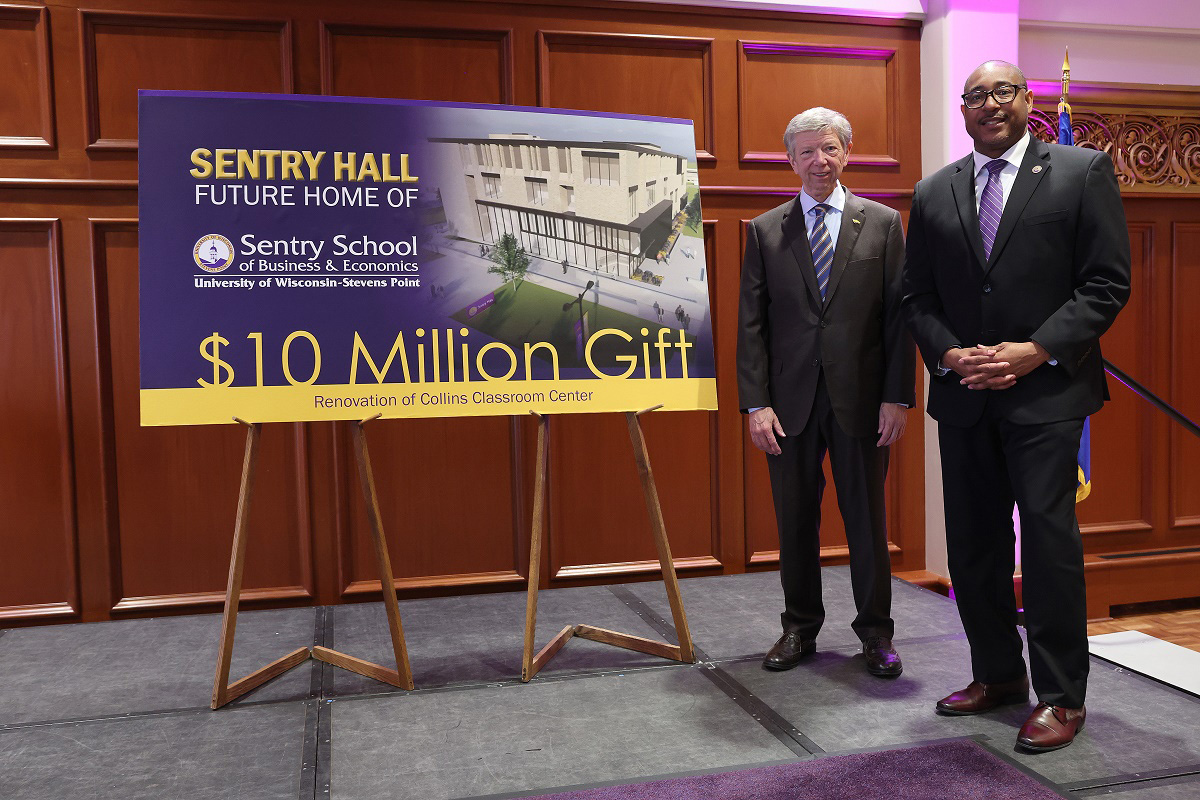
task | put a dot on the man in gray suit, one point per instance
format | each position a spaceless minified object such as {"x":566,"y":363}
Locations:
{"x":824,"y":364}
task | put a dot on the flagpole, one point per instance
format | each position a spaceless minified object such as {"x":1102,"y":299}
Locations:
{"x":1063,"y":105}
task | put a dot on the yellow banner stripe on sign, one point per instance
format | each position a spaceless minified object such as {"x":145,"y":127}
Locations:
{"x":217,"y":405}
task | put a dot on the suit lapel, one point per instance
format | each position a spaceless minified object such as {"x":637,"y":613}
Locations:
{"x":963,"y":186}
{"x":796,"y":235}
{"x":1034,"y":167}
{"x":853,"y":215}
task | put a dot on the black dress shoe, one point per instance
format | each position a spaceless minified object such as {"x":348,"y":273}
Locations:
{"x":882,"y":659}
{"x":789,"y":651}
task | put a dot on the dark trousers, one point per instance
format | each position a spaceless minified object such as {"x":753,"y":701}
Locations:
{"x":985,"y":469}
{"x":797,"y":484}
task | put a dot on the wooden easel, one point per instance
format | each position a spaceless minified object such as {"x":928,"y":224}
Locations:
{"x":532,"y":664}
{"x":401,"y":677}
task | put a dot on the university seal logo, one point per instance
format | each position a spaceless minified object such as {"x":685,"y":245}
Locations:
{"x":213,"y":253}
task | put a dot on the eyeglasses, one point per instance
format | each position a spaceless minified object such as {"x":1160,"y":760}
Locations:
{"x":1002,"y":94}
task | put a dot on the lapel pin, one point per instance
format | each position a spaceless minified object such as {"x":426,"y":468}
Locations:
{"x":858,"y":222}
{"x":1037,"y":169}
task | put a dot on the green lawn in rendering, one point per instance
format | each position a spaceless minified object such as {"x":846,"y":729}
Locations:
{"x":535,"y":313}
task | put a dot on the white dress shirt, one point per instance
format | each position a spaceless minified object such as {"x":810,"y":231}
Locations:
{"x":1008,"y":176}
{"x":833,"y":217}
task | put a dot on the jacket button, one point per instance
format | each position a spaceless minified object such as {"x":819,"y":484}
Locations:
{"x":816,"y":362}
{"x":824,"y":324}
{"x":987,"y":288}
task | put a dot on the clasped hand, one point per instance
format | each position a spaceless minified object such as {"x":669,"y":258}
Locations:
{"x":995,"y":366}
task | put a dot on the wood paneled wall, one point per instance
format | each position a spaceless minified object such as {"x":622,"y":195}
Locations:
{"x":101,"y":518}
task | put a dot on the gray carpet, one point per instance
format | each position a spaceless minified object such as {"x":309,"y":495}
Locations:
{"x":78,"y":671}
{"x":238,"y":754}
{"x":738,"y":615}
{"x":480,"y":638}
{"x":118,"y":709}
{"x":540,"y":735}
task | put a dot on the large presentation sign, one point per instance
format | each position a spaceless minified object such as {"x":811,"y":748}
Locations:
{"x":322,"y":258}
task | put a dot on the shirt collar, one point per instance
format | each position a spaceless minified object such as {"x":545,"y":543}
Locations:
{"x":836,"y":199}
{"x":1013,"y":155}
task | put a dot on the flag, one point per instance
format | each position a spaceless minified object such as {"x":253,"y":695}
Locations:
{"x":1064,"y":125}
{"x":1084,"y":460}
{"x":1065,"y":136}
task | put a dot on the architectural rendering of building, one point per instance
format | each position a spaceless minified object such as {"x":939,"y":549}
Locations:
{"x":603,"y":206}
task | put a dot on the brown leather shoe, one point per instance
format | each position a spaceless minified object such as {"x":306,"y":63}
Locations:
{"x":980,"y":697}
{"x":789,"y":651}
{"x":1051,"y":728}
{"x":882,"y":659}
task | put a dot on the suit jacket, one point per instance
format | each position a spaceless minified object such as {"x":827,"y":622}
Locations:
{"x":787,"y":335}
{"x":1058,"y":275}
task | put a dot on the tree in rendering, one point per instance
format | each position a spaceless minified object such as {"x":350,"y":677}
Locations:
{"x":510,"y":261}
{"x":693,"y":212}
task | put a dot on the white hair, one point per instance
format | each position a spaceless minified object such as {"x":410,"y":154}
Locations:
{"x":817,"y":119}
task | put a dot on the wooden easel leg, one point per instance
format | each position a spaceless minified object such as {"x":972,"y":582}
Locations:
{"x":233,"y":587}
{"x":402,"y":677}
{"x":642,"y":456}
{"x":223,"y":692}
{"x":530,"y":664}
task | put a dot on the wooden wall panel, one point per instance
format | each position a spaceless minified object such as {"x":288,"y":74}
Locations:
{"x":1185,"y":388}
{"x":123,"y":53}
{"x":599,"y":525}
{"x":176,"y":489}
{"x":467,"y":66}
{"x":1122,"y":432}
{"x":663,"y":76}
{"x":778,"y":79}
{"x":38,"y":575}
{"x":452,"y":514}
{"x":26,"y":110}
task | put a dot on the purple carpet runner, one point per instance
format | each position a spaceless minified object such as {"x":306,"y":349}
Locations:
{"x":961,"y":770}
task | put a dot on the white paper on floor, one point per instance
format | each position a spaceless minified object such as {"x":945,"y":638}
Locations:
{"x":1153,"y":657}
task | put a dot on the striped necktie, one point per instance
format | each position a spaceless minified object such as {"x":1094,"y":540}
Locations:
{"x":991,"y":205}
{"x":822,"y":247}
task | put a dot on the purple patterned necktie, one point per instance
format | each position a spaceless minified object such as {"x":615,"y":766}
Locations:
{"x":822,"y":248}
{"x":991,"y":205}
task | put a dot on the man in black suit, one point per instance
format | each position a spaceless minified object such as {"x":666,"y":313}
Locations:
{"x":824,"y":363}
{"x":1018,"y":260}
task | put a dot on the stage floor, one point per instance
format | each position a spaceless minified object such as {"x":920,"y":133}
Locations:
{"x":119,"y":709}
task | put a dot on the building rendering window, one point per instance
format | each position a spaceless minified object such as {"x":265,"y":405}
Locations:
{"x":535,"y":191}
{"x":491,"y":185}
{"x":603,"y":169}
{"x":631,"y":194}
